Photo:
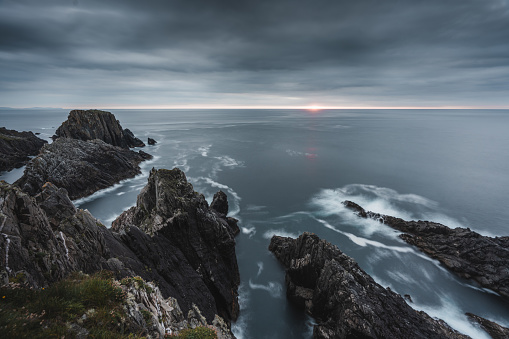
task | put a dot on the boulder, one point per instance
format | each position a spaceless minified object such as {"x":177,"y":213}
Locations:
{"x":16,"y":147}
{"x":466,"y":253}
{"x":344,"y":300}
{"x":81,"y":167}
{"x":96,"y":124}
{"x":151,"y":141}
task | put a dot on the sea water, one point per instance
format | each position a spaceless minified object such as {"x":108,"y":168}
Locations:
{"x":287,"y":171}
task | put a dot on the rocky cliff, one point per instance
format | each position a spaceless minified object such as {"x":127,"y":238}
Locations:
{"x":190,"y":254}
{"x":16,"y":147}
{"x":466,"y":253}
{"x":345,"y":301}
{"x":196,"y":242}
{"x":81,"y":167}
{"x":96,"y":124}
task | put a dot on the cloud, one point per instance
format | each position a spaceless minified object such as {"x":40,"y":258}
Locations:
{"x":280,"y":52}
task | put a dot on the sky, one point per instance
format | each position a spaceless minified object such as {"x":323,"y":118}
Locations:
{"x":258,"y":53}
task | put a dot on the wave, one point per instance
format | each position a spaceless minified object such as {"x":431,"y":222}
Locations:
{"x":260,"y":268}
{"x":236,"y":198}
{"x":274,"y":288}
{"x":204,"y":150}
{"x":250,"y":231}
{"x":282,"y":233}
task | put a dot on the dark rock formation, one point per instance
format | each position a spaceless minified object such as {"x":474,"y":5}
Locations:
{"x":345,"y":301}
{"x":172,"y":221}
{"x":220,"y":205}
{"x":151,"y":141}
{"x":494,"y":330}
{"x":185,"y":247}
{"x":81,"y":167}
{"x":15,"y":147}
{"x":95,"y":124}
{"x":466,"y":253}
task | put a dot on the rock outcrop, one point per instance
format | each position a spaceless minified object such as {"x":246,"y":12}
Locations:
{"x":151,"y":141}
{"x":465,"y":252}
{"x":172,"y":221}
{"x":96,"y":124}
{"x":81,"y":167}
{"x":494,"y":330}
{"x":16,"y":147}
{"x":345,"y":301}
{"x":189,"y":253}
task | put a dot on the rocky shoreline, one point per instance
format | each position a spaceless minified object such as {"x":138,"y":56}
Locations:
{"x":466,"y":253}
{"x":16,"y":147}
{"x":344,"y":300}
{"x":172,"y":238}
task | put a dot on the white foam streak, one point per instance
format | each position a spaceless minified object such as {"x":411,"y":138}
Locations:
{"x":260,"y":268}
{"x":204,"y":150}
{"x":274,"y":288}
{"x":236,"y":198}
{"x":452,"y":315}
{"x":282,"y":233}
{"x":250,"y":231}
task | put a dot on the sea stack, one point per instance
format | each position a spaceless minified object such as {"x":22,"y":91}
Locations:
{"x":95,"y":124}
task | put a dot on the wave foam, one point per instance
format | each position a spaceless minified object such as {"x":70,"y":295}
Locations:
{"x":282,"y":233}
{"x":274,"y":288}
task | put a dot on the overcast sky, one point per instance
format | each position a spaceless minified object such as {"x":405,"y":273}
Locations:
{"x":263,"y":53}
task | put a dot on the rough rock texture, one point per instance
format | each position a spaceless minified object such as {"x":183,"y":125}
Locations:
{"x":172,"y":221}
{"x":494,"y":330}
{"x":466,"y":253}
{"x":15,"y":147}
{"x":167,"y":317}
{"x":81,"y":167}
{"x":191,"y":257}
{"x":95,"y":124}
{"x":345,"y":301}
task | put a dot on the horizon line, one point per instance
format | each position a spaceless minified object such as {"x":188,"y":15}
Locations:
{"x":310,"y":107}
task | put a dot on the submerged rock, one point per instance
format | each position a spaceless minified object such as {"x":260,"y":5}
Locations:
{"x":81,"y":167}
{"x":345,"y":301}
{"x":16,"y":147}
{"x":466,"y":253}
{"x":96,"y":124}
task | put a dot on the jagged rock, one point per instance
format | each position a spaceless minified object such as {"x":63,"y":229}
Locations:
{"x":191,"y":257}
{"x":466,"y":253}
{"x":166,"y":315}
{"x":151,"y":141}
{"x":172,"y":221}
{"x":220,"y":205}
{"x":15,"y":148}
{"x":81,"y":167}
{"x":345,"y":301}
{"x":494,"y":330}
{"x":96,"y":124}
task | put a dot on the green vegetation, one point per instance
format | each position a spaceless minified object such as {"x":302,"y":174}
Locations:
{"x":81,"y":302}
{"x":195,"y":333}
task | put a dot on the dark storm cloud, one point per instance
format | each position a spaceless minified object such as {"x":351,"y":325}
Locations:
{"x":434,"y":52}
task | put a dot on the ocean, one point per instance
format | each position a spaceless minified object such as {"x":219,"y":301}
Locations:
{"x":287,"y":171}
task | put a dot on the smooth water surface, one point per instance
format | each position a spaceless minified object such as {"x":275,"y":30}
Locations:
{"x":287,"y":171}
